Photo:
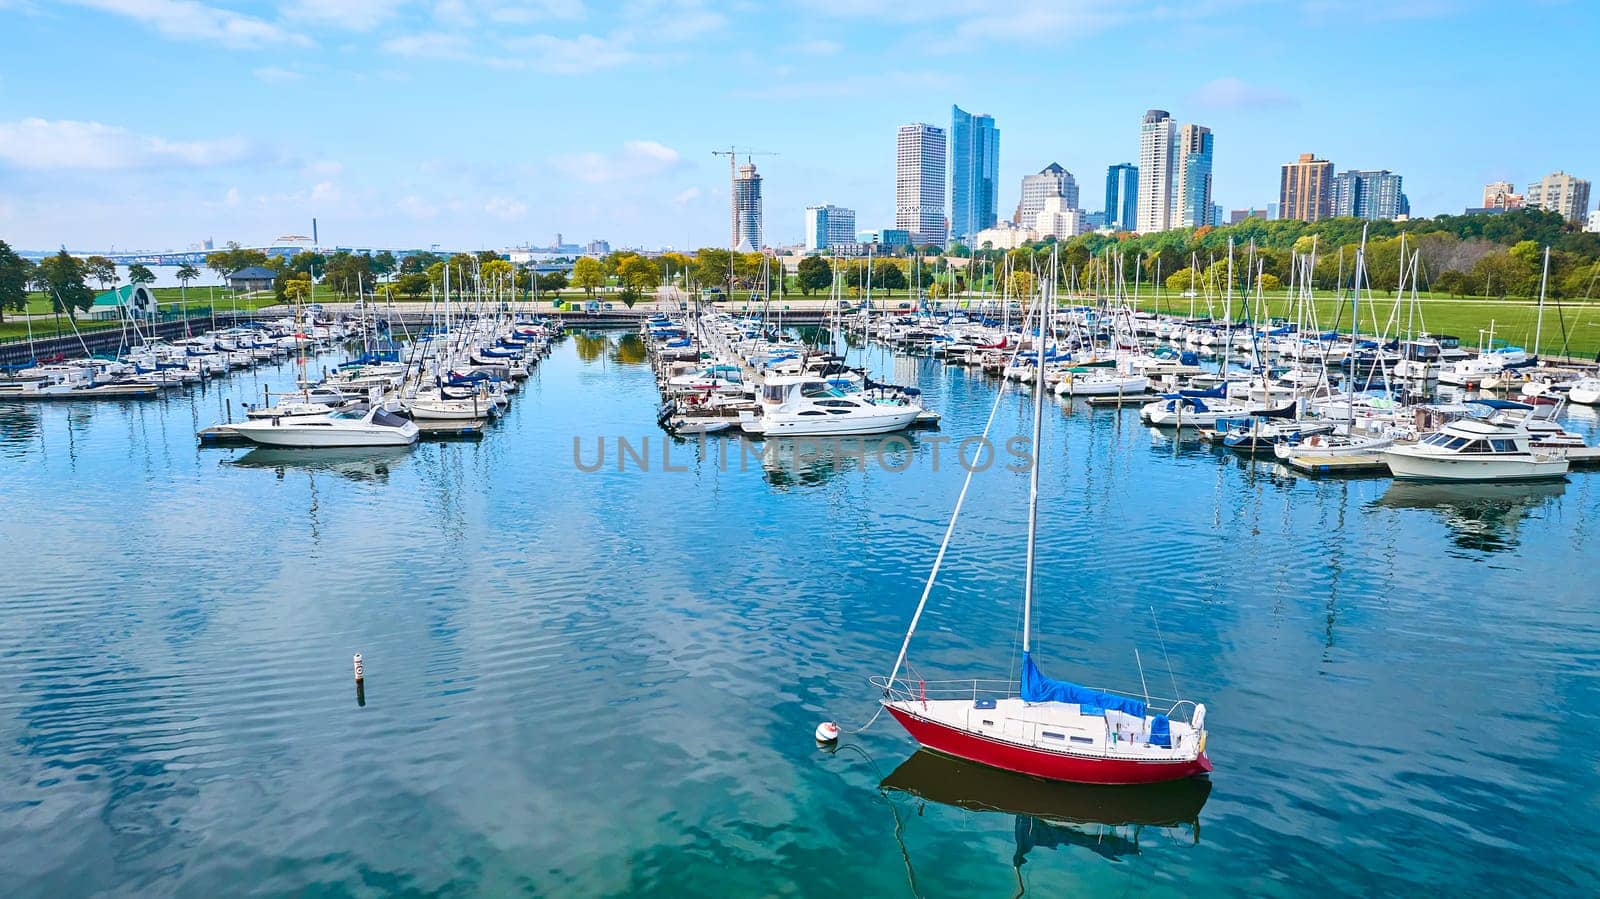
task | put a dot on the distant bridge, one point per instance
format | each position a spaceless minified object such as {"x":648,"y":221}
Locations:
{"x":198,"y":257}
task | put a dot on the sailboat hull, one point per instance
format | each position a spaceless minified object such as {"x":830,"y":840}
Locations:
{"x":1043,"y":763}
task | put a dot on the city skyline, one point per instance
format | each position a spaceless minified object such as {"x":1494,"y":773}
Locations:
{"x":316,"y":97}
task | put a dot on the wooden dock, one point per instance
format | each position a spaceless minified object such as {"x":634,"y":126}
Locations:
{"x":1360,"y":464}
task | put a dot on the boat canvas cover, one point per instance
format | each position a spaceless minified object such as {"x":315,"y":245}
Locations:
{"x":1038,"y":688}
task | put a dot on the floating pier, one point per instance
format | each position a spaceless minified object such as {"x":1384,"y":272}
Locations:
{"x":1358,"y":464}
{"x":1117,"y":401}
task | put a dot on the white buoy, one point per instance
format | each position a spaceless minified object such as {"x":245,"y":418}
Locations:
{"x":827,"y":732}
{"x":360,"y":674}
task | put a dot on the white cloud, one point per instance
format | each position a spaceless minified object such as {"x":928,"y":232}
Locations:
{"x":277,"y":75}
{"x":64,"y":144}
{"x":417,"y":208}
{"x":429,"y":46}
{"x":351,"y":15}
{"x":526,"y":13}
{"x":637,"y":159}
{"x":231,"y":198}
{"x":821,"y":47}
{"x":506,"y":209}
{"x":685,"y":197}
{"x":326,"y":168}
{"x":572,"y":55}
{"x":326,"y":192}
{"x":192,"y":20}
{"x":1234,"y":93}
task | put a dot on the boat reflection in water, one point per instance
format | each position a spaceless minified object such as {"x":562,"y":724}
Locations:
{"x":814,"y":461}
{"x":355,"y":463}
{"x":1483,"y":517}
{"x":1106,"y":820}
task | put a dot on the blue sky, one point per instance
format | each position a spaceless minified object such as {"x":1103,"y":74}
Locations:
{"x":157,"y":123}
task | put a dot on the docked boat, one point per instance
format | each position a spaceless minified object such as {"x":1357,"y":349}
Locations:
{"x":800,"y":406}
{"x":1585,"y":392}
{"x":369,"y":426}
{"x":1079,"y":381}
{"x":1474,"y":450}
{"x":1041,"y":727}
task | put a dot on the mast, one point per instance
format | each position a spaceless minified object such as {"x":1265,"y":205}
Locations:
{"x":1544,"y":278}
{"x":1045,"y":302}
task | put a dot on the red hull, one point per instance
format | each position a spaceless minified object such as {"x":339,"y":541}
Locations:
{"x":1041,"y":763}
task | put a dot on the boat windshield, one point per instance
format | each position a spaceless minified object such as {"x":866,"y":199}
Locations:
{"x":388,"y":419}
{"x":819,"y":389}
{"x":349,"y":415}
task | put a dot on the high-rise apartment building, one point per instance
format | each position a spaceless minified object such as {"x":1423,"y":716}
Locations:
{"x":1562,"y":193}
{"x":1051,"y":181}
{"x":1193,"y":193}
{"x":1305,"y":191}
{"x":919,"y":183}
{"x":1122,"y":197}
{"x":829,"y":226}
{"x":1158,"y":137}
{"x":974,"y":172}
{"x":1371,"y":195}
{"x":1501,"y":195}
{"x":1058,"y":219}
{"x":747,"y":209}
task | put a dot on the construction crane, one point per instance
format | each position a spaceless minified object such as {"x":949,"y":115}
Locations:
{"x":733,"y":154}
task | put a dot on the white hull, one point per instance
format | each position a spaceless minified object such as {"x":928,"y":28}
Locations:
{"x":1407,"y":464}
{"x":832,"y":426}
{"x":1102,"y":386}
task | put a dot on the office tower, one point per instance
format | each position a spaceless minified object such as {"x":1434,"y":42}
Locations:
{"x":1122,"y":197}
{"x":829,"y":226}
{"x":1304,"y":191}
{"x":919,"y":183}
{"x":1193,"y":193}
{"x":1051,"y":181}
{"x":1370,"y":195}
{"x":974,"y":172}
{"x":747,"y":209}
{"x":1158,"y":136}
{"x":1058,"y":219}
{"x":1562,"y":193}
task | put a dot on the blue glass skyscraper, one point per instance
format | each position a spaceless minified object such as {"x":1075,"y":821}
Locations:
{"x":974,"y":173}
{"x":1122,"y":196}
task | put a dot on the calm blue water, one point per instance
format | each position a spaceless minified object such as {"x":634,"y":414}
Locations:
{"x":605,"y":683}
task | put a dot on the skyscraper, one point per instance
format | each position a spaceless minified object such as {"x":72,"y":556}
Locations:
{"x":1370,"y":195}
{"x":1194,"y":178}
{"x":1304,"y":191}
{"x":1051,"y":181}
{"x":974,"y":172}
{"x":829,"y":226}
{"x":747,"y":209}
{"x":1157,"y":165}
{"x":1560,"y":192}
{"x":1122,"y":197}
{"x":919,"y":183}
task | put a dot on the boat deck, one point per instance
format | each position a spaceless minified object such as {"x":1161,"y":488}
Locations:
{"x":1116,"y":400}
{"x":467,"y":429}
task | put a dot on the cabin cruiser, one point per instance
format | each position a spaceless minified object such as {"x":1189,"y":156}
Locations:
{"x":360,"y":426}
{"x":1185,"y":410}
{"x":1585,"y":391}
{"x":804,"y":405}
{"x":1079,"y":381}
{"x":1474,"y":450}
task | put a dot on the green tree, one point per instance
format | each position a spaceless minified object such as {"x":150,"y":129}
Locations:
{"x":101,"y":269}
{"x":384,"y":264}
{"x":639,"y":273}
{"x":588,"y":274}
{"x":139,"y":274}
{"x":187,"y":273}
{"x":226,"y":262}
{"x":347,"y":272}
{"x":712,"y":267}
{"x":1183,"y":279}
{"x":814,"y":274}
{"x":16,"y":274}
{"x":887,"y":274}
{"x":418,"y":263}
{"x":297,"y":289}
{"x":62,"y":277}
{"x":413,"y":284}
{"x":1270,"y":283}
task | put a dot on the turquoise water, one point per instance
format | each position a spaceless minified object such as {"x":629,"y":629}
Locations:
{"x":606,"y":683}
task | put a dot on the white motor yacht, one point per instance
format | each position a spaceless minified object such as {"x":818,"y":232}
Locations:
{"x":1473,"y":450}
{"x":369,"y":426}
{"x":1585,"y":391}
{"x":809,"y":406}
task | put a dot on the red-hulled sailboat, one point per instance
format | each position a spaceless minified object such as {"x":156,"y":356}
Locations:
{"x":1043,"y":727}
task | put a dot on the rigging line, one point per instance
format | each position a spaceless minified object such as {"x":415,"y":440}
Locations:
{"x":944,"y":545}
{"x":1163,"y":641}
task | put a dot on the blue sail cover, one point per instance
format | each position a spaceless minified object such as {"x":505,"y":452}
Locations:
{"x":1038,"y":688}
